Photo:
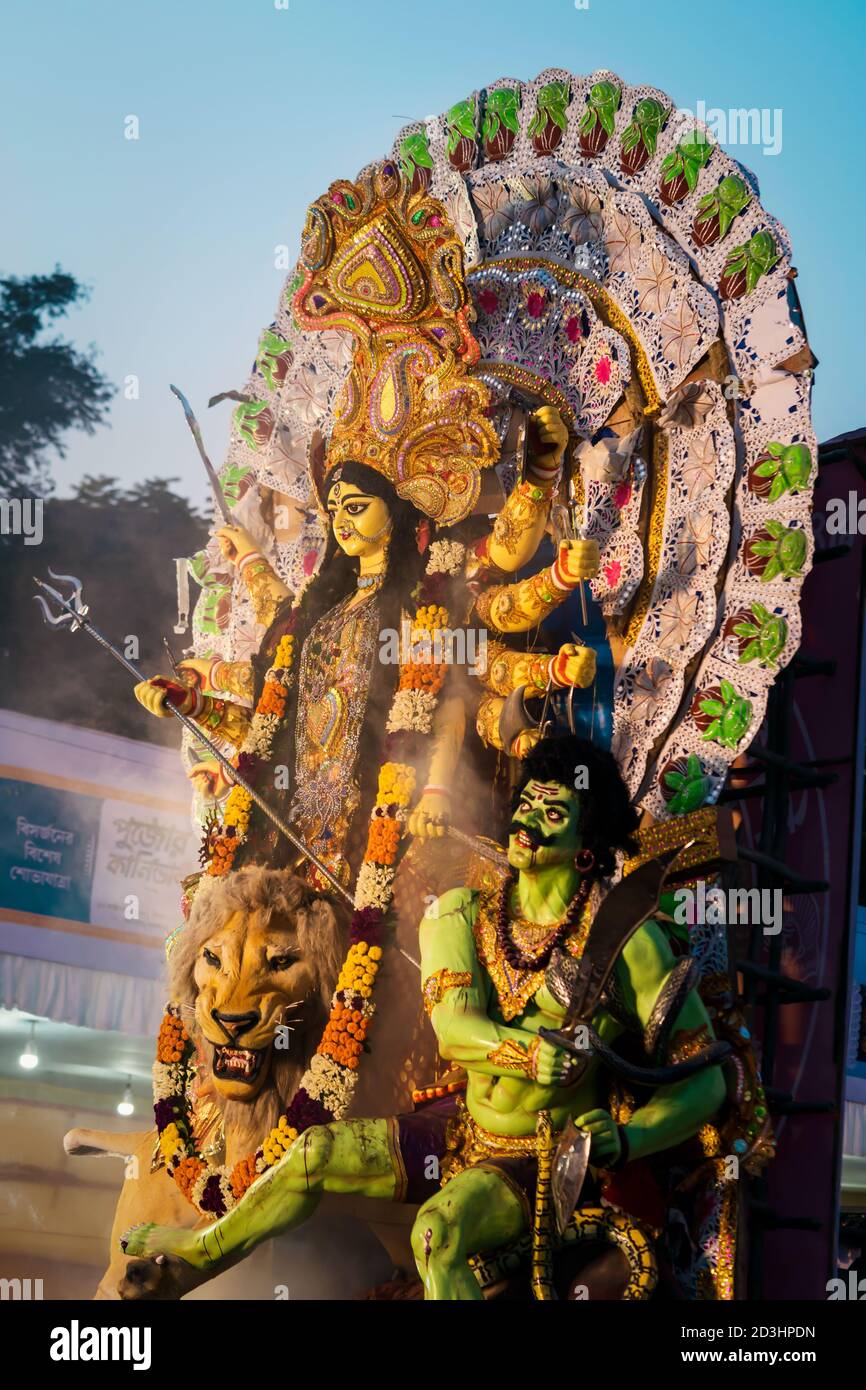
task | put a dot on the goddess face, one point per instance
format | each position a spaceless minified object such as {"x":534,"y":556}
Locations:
{"x":544,"y":829}
{"x":361,"y":522}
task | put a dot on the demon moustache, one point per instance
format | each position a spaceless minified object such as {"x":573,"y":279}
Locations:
{"x":538,"y":839}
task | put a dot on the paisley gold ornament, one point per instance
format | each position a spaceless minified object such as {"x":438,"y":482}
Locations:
{"x":386,"y":265}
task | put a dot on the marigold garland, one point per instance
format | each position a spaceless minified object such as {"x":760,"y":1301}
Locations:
{"x":326,"y":1088}
{"x":258,"y":745}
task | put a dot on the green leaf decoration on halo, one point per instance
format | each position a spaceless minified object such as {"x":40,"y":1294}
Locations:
{"x":461,"y":122}
{"x":502,"y":107}
{"x":733,"y":196}
{"x":688,"y":159}
{"x":690,"y":788}
{"x":725,"y":202}
{"x":631,"y":136}
{"x":271,"y":348}
{"x":415,"y":154}
{"x":650,"y":137}
{"x":762,"y":256}
{"x":768,"y":633}
{"x":245,"y":418}
{"x":789,"y":465}
{"x":778,"y":488}
{"x":199,"y":566}
{"x":231,"y":477}
{"x":551,"y":102}
{"x":786,"y":550}
{"x":604,"y":97}
{"x":649,"y":117}
{"x":750,"y":651}
{"x":757,"y":257}
{"x":731,"y":716}
{"x":698,"y":147}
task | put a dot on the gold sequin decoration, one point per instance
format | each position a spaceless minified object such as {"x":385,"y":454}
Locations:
{"x":607,"y":308}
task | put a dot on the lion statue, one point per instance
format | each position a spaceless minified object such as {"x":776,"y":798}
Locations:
{"x":260,"y":953}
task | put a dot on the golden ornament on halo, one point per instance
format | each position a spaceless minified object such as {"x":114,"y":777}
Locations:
{"x":386,"y":265}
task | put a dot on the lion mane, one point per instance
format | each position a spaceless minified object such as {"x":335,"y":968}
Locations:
{"x":317,"y":929}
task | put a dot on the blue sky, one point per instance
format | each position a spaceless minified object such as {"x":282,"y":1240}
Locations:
{"x":247,"y":111}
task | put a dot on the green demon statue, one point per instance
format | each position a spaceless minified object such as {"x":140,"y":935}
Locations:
{"x":537,"y":987}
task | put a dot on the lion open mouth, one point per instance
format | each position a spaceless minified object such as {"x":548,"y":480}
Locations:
{"x":237,"y":1063}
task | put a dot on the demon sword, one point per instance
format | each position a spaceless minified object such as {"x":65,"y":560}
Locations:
{"x":74,"y":614}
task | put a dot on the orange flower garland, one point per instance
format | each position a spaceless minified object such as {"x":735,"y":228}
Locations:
{"x":326,"y":1088}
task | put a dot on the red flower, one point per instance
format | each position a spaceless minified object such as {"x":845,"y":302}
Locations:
{"x":612,"y":573}
{"x":573,"y":330}
{"x":603,"y":370}
{"x":621,"y":495}
{"x":489,"y":301}
{"x":535,"y":304}
{"x":247,"y":765}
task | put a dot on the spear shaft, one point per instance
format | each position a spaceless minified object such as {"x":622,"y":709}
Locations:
{"x":81,"y":620}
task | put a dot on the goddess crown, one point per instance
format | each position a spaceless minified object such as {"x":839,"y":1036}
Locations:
{"x":385,"y":265}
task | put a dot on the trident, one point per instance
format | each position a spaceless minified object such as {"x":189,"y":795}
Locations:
{"x":74,"y":615}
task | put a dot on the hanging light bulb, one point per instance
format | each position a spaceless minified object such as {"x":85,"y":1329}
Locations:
{"x":29,"y":1057}
{"x":126,"y":1105}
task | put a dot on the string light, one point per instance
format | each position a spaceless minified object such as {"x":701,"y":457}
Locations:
{"x":30,"y":1057}
{"x":126,"y":1106}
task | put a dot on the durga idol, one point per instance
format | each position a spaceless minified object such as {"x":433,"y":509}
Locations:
{"x":412,"y":434}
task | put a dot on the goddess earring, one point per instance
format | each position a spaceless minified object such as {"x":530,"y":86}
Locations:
{"x":422,"y":535}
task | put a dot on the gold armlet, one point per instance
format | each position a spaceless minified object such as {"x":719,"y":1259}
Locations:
{"x":521,"y":606}
{"x":526,"y":509}
{"x":512,"y":1056}
{"x":265,"y":588}
{"x":234,"y":676}
{"x":223,"y":718}
{"x":551,"y":588}
{"x":487,"y":720}
{"x":436,"y":986}
{"x":507,"y":669}
{"x":687,"y":1043}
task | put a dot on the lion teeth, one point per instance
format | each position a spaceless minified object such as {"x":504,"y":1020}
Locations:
{"x":236,"y":1061}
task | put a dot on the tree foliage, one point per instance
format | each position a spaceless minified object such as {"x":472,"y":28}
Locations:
{"x":122,"y":543}
{"x":47,"y":386}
